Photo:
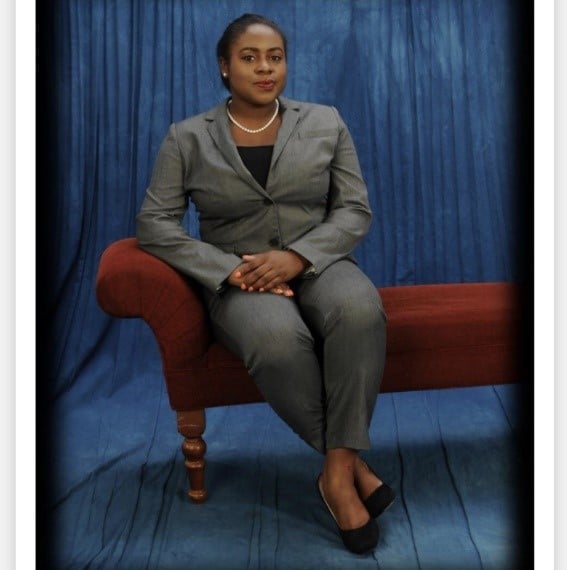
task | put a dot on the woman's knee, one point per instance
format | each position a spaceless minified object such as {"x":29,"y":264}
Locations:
{"x":278,"y":347}
{"x":357,"y":317}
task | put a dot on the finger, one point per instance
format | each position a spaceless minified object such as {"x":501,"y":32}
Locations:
{"x":253,"y":273}
{"x":286,"y":289}
{"x":253,"y":260}
{"x":280,"y":291}
{"x":245,"y":269}
{"x":267,"y":281}
{"x":258,"y":277}
{"x":273,"y":281}
{"x":274,"y":284}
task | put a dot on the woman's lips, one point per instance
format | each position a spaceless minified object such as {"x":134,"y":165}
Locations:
{"x":265,"y":85}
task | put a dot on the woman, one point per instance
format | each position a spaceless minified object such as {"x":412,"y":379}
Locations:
{"x":281,"y":205}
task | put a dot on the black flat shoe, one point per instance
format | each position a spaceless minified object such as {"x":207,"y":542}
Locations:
{"x":358,"y":540}
{"x":380,"y":499}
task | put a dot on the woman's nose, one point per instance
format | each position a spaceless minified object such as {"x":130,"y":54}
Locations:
{"x":264,"y":65}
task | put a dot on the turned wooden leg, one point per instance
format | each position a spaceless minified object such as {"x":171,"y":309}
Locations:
{"x":191,"y":426}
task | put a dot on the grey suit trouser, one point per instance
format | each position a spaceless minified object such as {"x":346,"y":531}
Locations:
{"x":317,"y":357}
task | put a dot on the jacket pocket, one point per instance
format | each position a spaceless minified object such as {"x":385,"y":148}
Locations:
{"x":317,"y":133}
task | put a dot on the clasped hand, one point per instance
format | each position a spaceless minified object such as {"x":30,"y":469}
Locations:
{"x":269,"y":271}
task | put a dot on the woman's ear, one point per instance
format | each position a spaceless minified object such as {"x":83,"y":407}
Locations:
{"x":223,"y":66}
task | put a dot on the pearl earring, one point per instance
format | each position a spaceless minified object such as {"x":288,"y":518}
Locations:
{"x":225,"y":74}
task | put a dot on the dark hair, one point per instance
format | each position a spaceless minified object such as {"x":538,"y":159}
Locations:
{"x":238,"y":27}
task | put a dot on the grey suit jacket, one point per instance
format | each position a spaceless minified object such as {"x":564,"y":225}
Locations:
{"x":315,"y":201}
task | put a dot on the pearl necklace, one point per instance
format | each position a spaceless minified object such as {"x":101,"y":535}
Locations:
{"x":253,"y":131}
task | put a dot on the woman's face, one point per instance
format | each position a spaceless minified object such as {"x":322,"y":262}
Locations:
{"x":257,"y":68}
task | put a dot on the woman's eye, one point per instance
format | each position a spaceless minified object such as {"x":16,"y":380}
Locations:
{"x":248,"y":58}
{"x":276,"y":58}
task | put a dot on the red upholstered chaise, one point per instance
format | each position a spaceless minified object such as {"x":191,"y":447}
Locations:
{"x":439,"y":336}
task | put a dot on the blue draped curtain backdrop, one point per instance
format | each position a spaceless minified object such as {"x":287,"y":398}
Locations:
{"x":433,"y":92}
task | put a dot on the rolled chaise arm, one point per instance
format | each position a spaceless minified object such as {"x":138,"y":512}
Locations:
{"x":133,"y":283}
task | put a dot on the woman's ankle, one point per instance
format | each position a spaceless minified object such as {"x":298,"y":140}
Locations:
{"x":365,"y":480}
{"x":340,"y":464}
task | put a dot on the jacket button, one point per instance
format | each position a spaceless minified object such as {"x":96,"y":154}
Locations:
{"x":274,"y":242}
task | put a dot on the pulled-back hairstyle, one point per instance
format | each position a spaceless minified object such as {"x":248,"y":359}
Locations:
{"x":238,"y":27}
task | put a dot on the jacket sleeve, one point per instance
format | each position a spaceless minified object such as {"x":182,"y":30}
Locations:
{"x":159,"y":226}
{"x":349,"y":216}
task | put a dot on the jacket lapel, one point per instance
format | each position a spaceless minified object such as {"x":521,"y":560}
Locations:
{"x":290,"y":118}
{"x":219,"y":130}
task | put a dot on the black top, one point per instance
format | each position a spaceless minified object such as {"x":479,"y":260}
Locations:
{"x":257,"y":160}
